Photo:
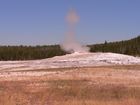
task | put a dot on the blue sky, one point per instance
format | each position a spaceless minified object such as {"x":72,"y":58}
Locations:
{"x":39,"y":22}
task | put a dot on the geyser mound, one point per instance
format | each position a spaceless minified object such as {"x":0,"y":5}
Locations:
{"x":71,"y":60}
{"x":70,"y":44}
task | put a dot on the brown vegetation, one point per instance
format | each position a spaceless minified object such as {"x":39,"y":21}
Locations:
{"x":116,"y":85}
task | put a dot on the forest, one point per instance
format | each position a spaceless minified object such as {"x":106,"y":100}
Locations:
{"x":29,"y":52}
{"x":129,"y":47}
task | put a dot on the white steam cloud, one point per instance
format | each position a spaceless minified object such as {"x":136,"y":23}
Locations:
{"x":70,"y":44}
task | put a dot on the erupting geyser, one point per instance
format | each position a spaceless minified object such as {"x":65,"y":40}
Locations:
{"x":70,"y":44}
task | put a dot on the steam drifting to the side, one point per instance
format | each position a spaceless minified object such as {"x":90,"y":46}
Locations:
{"x":70,"y":44}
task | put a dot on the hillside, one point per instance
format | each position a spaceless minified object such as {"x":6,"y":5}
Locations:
{"x":128,"y":47}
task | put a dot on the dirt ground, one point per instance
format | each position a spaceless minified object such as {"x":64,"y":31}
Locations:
{"x":106,"y":85}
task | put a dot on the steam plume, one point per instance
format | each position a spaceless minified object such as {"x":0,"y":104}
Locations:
{"x":70,"y":44}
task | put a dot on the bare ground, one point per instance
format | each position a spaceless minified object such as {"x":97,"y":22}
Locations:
{"x":112,"y":85}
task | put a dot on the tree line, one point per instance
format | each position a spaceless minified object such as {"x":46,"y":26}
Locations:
{"x":29,"y":52}
{"x":129,"y":47}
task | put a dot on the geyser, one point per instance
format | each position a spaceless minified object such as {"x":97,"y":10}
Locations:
{"x":70,"y":44}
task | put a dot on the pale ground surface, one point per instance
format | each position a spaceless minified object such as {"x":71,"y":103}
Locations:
{"x":71,"y":60}
{"x":110,"y":79}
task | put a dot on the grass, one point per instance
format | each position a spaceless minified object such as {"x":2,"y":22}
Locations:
{"x":81,"y":90}
{"x":66,"y":91}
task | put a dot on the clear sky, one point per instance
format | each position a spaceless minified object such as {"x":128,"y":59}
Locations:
{"x":39,"y":22}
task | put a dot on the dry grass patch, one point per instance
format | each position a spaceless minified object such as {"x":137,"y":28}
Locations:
{"x":74,"y":88}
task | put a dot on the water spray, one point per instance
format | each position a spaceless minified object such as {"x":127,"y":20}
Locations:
{"x":70,"y":44}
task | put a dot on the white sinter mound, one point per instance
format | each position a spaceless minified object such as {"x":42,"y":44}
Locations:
{"x":71,"y":60}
